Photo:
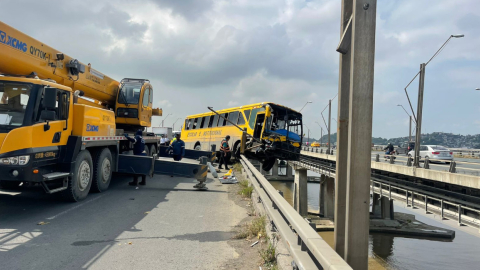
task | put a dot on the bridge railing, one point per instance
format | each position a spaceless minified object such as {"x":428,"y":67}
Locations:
{"x":307,"y":248}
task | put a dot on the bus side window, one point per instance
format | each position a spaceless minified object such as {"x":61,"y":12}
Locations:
{"x":241,"y":119}
{"x":233,"y":117}
{"x":200,"y":122}
{"x":194,"y":123}
{"x":223,"y":120}
{"x":205,"y":121}
{"x":187,"y":124}
{"x":215,"y":121}
{"x":247,"y":114}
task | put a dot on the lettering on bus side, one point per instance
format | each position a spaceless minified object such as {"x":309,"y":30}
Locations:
{"x":209,"y":133}
{"x":191,"y":134}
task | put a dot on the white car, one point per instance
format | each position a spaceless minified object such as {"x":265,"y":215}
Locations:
{"x":434,"y":153}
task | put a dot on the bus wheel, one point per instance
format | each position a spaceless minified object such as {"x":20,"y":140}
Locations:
{"x":198,"y":147}
{"x":81,"y":180}
{"x":153,"y":150}
{"x":102,"y":171}
{"x":268,"y":164}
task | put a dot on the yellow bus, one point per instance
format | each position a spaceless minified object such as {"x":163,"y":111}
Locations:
{"x":273,"y":131}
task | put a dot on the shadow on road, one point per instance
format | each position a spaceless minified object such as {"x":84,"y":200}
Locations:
{"x":102,"y":217}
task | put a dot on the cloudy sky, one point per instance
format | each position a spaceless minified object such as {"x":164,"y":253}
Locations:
{"x":200,"y":53}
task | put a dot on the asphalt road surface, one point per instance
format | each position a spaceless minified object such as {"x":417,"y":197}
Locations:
{"x":164,"y":225}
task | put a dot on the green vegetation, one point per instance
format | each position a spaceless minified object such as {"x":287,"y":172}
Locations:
{"x":237,"y":167}
{"x":269,"y":257}
{"x":246,"y":190}
{"x":255,"y":228}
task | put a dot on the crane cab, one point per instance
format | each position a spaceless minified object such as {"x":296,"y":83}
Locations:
{"x":134,"y":104}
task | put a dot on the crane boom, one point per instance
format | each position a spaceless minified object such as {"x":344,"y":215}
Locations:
{"x":22,"y":54}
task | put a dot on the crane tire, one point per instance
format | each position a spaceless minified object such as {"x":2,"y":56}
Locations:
{"x":102,"y":173}
{"x":81,"y":180}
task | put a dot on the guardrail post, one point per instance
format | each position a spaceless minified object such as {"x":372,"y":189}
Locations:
{"x":441,"y":209}
{"x":389,"y":191}
{"x":459,"y":215}
{"x":426,"y":204}
{"x":392,"y":159}
{"x":409,"y":161}
{"x":377,"y":158}
{"x":406,"y":197}
{"x":426,"y":163}
{"x":321,"y":151}
{"x":413,"y":200}
{"x":452,"y":168}
{"x":380,"y":190}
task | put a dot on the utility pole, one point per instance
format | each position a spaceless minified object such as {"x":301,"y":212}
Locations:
{"x":329,"y":121}
{"x":410,"y":130}
{"x":418,"y":129}
{"x":321,"y":136}
{"x":342,"y":135}
{"x":358,"y":39}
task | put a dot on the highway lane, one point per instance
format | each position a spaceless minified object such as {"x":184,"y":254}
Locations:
{"x":164,"y":225}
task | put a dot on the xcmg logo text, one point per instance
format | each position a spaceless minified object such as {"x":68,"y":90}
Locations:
{"x":13,"y":42}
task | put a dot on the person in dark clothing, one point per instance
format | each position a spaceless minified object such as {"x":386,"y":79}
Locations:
{"x":389,"y":149}
{"x":177,"y":148}
{"x":224,"y":153}
{"x":138,"y":150}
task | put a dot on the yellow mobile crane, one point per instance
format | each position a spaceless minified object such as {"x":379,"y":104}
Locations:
{"x":62,"y":123}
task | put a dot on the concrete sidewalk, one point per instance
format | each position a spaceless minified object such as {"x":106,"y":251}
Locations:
{"x":164,"y":225}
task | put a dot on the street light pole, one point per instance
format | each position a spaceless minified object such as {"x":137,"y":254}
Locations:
{"x":321,"y":133}
{"x":173,"y":126}
{"x":418,"y":132}
{"x":329,"y":121}
{"x":410,"y":128}
{"x":165,"y":118}
{"x":421,"y":86}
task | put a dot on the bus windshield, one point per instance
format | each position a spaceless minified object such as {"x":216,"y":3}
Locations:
{"x":283,"y":121}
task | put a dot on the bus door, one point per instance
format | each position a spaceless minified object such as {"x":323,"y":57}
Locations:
{"x":259,"y":123}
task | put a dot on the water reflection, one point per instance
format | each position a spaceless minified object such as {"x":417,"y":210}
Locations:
{"x":388,"y":251}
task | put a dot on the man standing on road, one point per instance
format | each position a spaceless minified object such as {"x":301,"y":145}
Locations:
{"x":138,"y":150}
{"x":224,"y":153}
{"x":178,"y":147}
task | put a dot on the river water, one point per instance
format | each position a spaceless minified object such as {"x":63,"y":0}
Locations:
{"x":387,"y":251}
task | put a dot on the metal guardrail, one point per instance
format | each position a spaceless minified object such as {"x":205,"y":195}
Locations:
{"x":408,"y":196}
{"x":307,"y":248}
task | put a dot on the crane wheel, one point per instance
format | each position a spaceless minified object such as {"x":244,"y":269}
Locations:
{"x":147,"y":150}
{"x":198,"y":147}
{"x":102,"y":175}
{"x":153,"y":150}
{"x":80,"y":182}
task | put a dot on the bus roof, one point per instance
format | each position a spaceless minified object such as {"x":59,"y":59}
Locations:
{"x":241,"y":107}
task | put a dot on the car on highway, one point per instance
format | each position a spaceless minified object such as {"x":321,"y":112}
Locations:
{"x":404,"y":148}
{"x":434,"y":153}
{"x":315,"y":144}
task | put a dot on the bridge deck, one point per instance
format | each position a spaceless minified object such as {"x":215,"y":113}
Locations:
{"x":464,"y":180}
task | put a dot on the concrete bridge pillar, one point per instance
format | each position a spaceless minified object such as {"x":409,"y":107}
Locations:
{"x":289,"y":171}
{"x":382,"y":207}
{"x":300,"y":201}
{"x":275,"y":169}
{"x":327,"y":196}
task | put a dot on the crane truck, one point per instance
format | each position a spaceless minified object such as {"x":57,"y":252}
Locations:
{"x":62,"y":123}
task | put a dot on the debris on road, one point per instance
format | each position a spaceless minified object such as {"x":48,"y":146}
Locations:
{"x":254,"y":244}
{"x":42,"y":223}
{"x":148,"y":212}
